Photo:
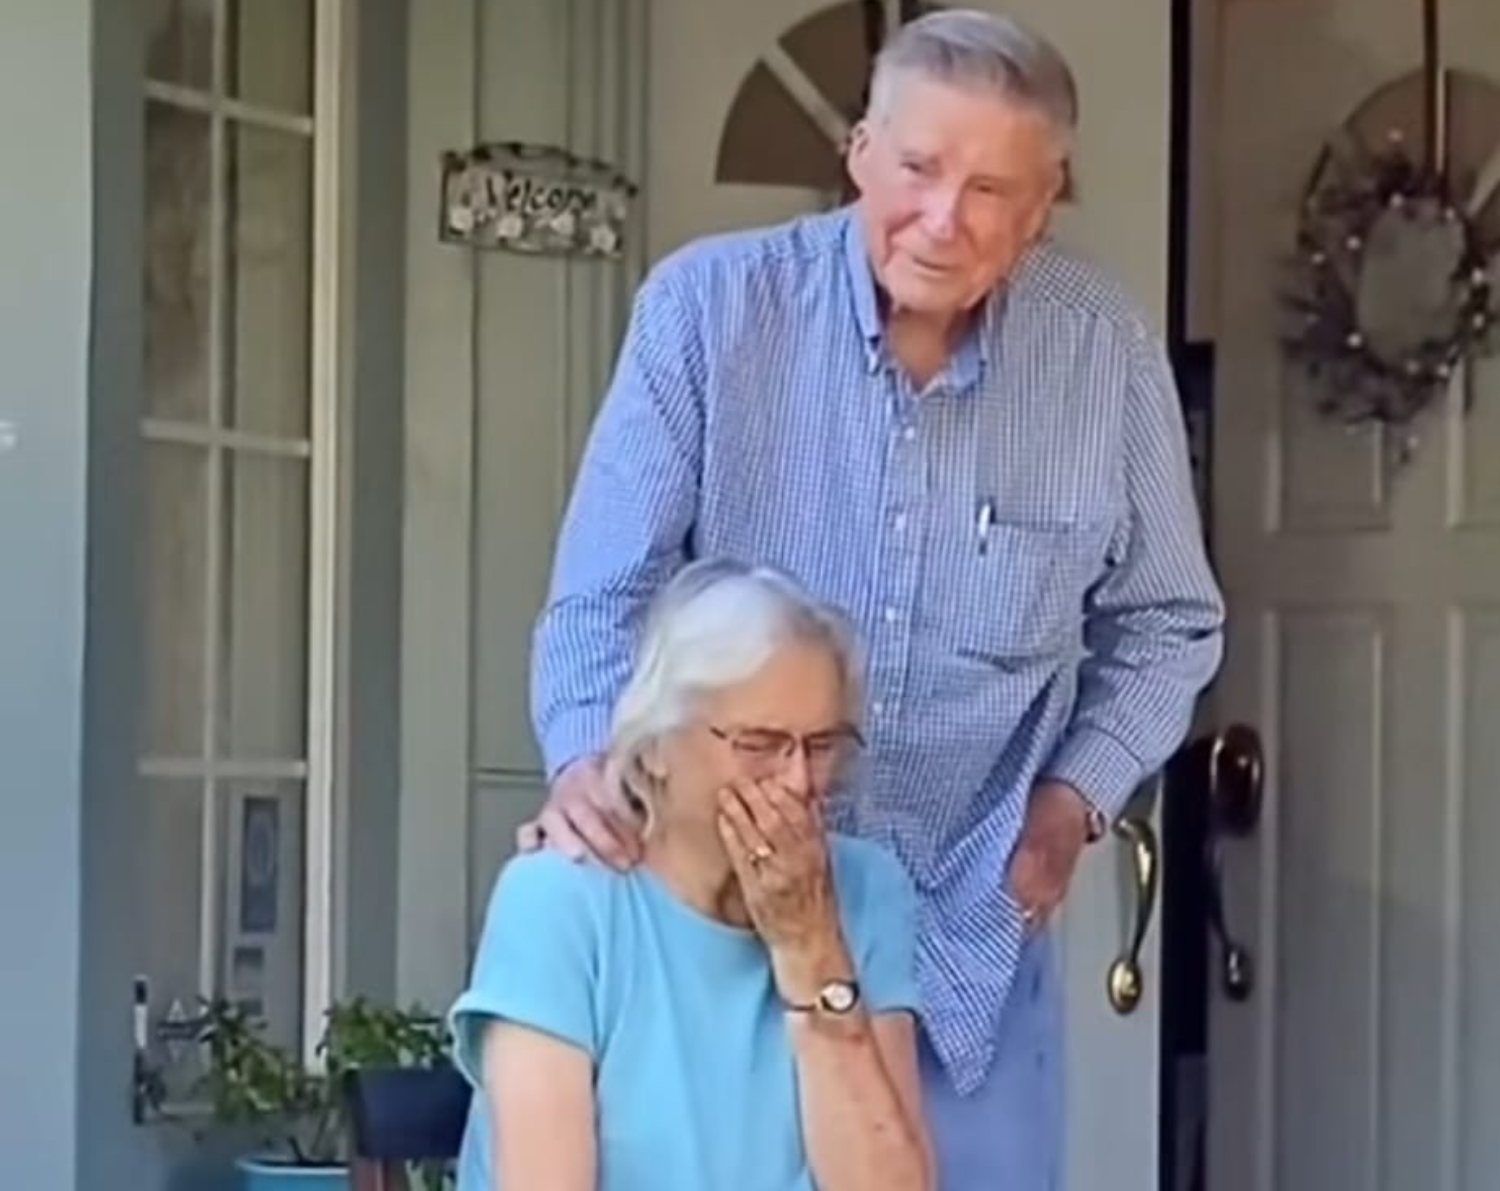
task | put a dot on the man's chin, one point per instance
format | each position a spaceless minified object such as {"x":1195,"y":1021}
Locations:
{"x":929,"y":299}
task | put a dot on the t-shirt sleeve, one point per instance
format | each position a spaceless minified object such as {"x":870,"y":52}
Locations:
{"x":536,"y":961}
{"x":887,"y":932}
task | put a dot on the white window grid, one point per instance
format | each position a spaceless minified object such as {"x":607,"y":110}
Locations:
{"x":315,"y":770}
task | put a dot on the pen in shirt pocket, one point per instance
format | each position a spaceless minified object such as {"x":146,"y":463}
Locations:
{"x":982,"y":522}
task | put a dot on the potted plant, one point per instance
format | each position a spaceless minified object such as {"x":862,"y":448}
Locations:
{"x":299,"y":1115}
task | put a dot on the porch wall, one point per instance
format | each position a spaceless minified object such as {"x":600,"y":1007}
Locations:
{"x":45,"y":244}
{"x":70,"y":664}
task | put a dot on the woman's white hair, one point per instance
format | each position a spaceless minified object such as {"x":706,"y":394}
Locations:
{"x":979,"y":51}
{"x":714,"y":625}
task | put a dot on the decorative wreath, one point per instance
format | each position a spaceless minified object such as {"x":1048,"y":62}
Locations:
{"x":1391,"y":291}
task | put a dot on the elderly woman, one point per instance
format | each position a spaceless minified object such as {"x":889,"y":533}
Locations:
{"x":735,"y":1013}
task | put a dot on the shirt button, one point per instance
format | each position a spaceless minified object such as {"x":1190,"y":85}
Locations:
{"x":877,"y":707}
{"x":891,"y":615}
{"x":899,"y":522}
{"x":909,"y":433}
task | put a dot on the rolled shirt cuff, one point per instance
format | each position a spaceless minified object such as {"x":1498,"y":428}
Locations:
{"x":1099,"y":767}
{"x":579,"y":732}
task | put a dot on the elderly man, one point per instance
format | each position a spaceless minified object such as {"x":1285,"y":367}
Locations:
{"x":932,"y":416}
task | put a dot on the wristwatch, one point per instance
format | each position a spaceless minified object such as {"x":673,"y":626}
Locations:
{"x":837,"y":997}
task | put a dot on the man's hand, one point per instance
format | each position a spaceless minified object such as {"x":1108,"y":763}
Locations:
{"x":586,"y":814}
{"x":1052,"y":839}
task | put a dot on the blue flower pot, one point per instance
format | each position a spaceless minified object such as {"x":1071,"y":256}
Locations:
{"x":262,"y":1175}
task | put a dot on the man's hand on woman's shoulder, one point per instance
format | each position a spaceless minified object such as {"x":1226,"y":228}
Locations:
{"x":586,"y":815}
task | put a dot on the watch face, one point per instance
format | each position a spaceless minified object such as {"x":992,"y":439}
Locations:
{"x":839,"y":996}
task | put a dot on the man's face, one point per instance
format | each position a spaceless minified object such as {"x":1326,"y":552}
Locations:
{"x":954,"y":185}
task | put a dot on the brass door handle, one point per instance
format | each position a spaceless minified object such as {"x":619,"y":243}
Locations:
{"x":1127,"y":981}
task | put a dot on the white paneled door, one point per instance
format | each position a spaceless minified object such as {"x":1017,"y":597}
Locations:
{"x":709,"y":62}
{"x":1365,"y":647}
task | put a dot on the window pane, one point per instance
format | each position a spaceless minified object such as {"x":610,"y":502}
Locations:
{"x":269,"y":286}
{"x":262,"y":955}
{"x":263,"y":618}
{"x":174,"y":890}
{"x":180,"y":44}
{"x":172,"y":923}
{"x":270,"y":53}
{"x":178,"y":287}
{"x":176,"y":598}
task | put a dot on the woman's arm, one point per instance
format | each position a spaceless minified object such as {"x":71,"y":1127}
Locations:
{"x":860,"y":1096}
{"x":541,"y":1100}
{"x":861,"y":1100}
{"x":524,"y":1030}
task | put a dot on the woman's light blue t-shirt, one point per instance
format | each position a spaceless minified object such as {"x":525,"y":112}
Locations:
{"x":694,"y":1081}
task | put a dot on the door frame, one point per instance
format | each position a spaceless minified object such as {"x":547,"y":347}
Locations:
{"x":1190,"y":347}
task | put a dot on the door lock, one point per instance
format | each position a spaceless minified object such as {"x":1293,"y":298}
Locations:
{"x":1236,"y":792}
{"x":1236,"y":780}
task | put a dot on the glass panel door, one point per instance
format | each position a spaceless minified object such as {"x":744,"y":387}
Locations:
{"x":237,"y":475}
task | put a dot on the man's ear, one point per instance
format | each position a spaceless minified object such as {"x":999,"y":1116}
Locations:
{"x":1060,"y":190}
{"x":1067,"y":187}
{"x":857,"y":153}
{"x":1038,"y":223}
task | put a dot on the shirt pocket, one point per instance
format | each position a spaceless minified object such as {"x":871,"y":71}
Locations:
{"x":1020,"y":598}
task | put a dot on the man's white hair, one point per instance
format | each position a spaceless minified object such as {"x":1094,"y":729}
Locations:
{"x":983,"y":52}
{"x":713,"y":626}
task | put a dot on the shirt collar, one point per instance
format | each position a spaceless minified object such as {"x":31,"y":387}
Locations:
{"x":862,"y":289}
{"x":972,"y":356}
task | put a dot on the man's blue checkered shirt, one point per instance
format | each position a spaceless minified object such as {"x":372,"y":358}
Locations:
{"x":1019,"y":543}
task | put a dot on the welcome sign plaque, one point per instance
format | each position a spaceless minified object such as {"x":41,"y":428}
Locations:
{"x":533,"y":199}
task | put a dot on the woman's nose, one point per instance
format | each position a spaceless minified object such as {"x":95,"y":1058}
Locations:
{"x":796,"y":772}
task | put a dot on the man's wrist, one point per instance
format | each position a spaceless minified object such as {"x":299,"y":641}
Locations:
{"x":573,"y":736}
{"x":1093,"y":823}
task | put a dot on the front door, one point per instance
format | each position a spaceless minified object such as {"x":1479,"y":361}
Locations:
{"x":745,"y":103}
{"x":1364,"y":647}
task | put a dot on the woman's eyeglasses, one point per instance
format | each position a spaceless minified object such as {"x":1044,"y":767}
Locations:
{"x":764,"y":745}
